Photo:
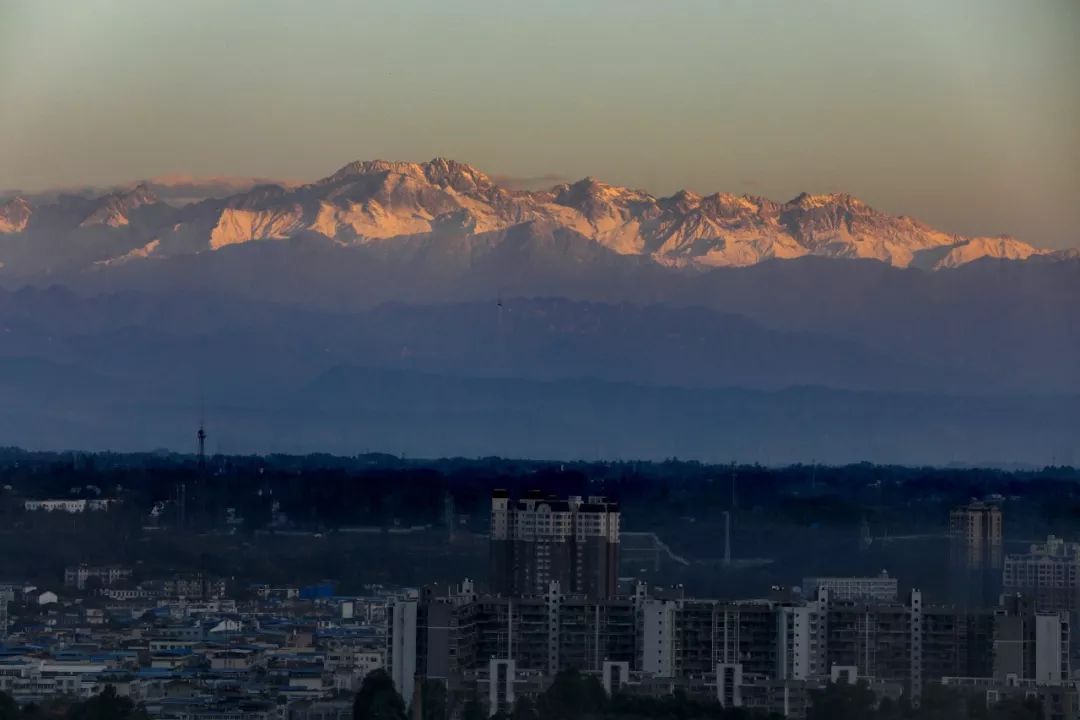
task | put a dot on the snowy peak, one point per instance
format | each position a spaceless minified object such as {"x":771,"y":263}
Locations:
{"x":826,"y":212}
{"x":439,"y":172}
{"x":732,"y":206}
{"x":972,"y":249}
{"x":682,"y":201}
{"x":443,"y":203}
{"x":808,"y":201}
{"x":114,"y":209}
{"x":591,"y":191}
{"x":461,"y":177}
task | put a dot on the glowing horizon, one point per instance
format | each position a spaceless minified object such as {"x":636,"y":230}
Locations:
{"x":965,"y":116}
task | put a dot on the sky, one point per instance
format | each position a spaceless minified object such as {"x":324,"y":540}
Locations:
{"x":964,"y":113}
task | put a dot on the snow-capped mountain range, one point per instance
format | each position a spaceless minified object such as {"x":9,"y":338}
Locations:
{"x":451,"y":206}
{"x":426,"y":308}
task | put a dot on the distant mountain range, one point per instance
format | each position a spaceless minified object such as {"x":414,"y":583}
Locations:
{"x":453,"y":210}
{"x":423,"y":308}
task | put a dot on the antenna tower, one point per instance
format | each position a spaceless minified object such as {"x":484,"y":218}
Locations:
{"x":200,"y":436}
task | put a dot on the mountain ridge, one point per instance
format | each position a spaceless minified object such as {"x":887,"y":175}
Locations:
{"x":380,"y":201}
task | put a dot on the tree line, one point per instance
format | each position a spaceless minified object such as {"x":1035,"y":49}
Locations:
{"x":576,"y":696}
{"x":106,"y":705}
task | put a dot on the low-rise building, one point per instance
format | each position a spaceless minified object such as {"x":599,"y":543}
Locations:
{"x":73,"y":506}
{"x":79,"y":576}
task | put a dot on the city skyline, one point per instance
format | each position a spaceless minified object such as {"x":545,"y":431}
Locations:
{"x":312,"y":640}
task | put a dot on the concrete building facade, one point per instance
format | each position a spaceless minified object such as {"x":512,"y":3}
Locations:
{"x":975,"y":554}
{"x":1048,"y":574}
{"x":538,"y":540}
{"x":881,"y":587}
{"x":744,"y":653}
{"x":78,"y":576}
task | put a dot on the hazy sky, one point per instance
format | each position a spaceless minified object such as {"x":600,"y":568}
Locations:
{"x":965,"y":113}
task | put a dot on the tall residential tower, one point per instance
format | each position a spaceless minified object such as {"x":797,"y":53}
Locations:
{"x":975,"y":554}
{"x":536,"y":540}
{"x":975,"y":530}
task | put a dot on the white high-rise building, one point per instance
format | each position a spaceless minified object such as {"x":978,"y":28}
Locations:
{"x":1048,"y":574}
{"x":401,"y":646}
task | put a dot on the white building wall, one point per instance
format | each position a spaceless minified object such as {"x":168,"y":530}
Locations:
{"x":658,"y":641}
{"x":794,"y":638}
{"x":614,"y":675}
{"x":501,"y":674}
{"x":1048,"y":651}
{"x":916,"y":629}
{"x":403,"y":647}
{"x":729,"y":680}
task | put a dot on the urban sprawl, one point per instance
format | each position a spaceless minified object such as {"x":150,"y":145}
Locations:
{"x":199,"y":647}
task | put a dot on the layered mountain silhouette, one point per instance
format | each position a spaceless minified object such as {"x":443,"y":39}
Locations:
{"x":451,"y":208}
{"x":424,"y":308}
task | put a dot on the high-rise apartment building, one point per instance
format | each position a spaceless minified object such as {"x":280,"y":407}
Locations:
{"x":753,"y":653}
{"x":688,"y":637}
{"x":975,"y":532}
{"x":538,"y":540}
{"x":452,"y":634}
{"x":975,"y":554}
{"x":402,"y":642}
{"x":1029,"y":644}
{"x":1048,"y":575}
